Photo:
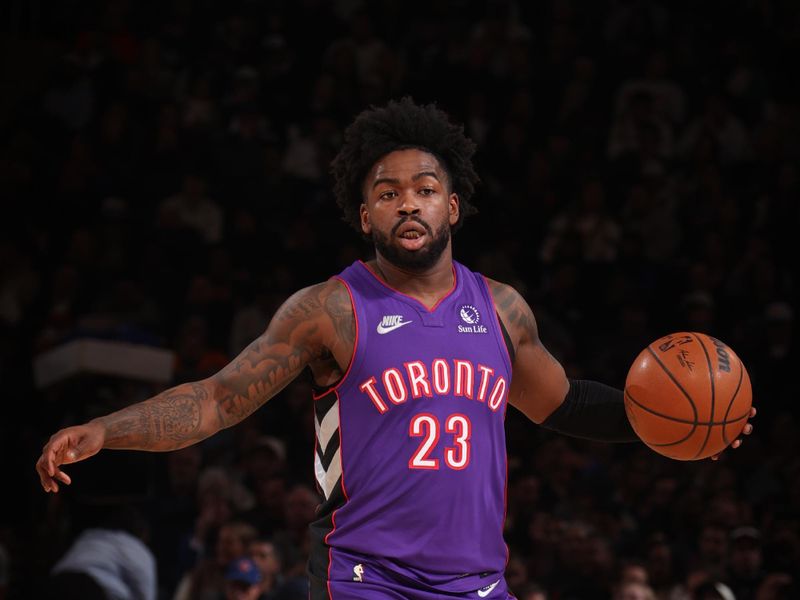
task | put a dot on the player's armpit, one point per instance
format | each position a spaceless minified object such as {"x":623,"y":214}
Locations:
{"x":538,"y":383}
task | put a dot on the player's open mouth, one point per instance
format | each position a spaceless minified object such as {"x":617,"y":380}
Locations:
{"x":411,"y":235}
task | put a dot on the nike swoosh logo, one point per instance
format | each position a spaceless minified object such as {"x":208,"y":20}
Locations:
{"x":483,"y":592}
{"x":382,"y":330}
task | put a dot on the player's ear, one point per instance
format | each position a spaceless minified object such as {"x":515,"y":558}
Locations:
{"x":366,"y":226}
{"x":453,"y":208}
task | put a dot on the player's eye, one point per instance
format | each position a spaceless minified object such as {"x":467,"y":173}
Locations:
{"x":387,"y":195}
{"x":426,"y":191}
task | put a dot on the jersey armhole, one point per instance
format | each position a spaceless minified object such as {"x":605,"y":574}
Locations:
{"x":506,"y":339}
{"x":319,"y":391}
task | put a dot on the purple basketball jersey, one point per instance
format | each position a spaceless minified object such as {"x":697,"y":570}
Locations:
{"x":411,"y":452}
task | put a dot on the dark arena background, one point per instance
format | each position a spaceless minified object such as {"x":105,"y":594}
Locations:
{"x":164,"y":182}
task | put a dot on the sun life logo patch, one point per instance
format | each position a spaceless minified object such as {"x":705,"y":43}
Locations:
{"x":469,"y":314}
{"x":472,"y":317}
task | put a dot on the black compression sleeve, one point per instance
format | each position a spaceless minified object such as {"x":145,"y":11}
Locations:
{"x":593,"y":411}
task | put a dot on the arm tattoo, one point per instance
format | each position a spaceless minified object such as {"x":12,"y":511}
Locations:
{"x":191,"y":412}
{"x":168,"y":421}
{"x":515,"y":312}
{"x":260,"y":372}
{"x":303,"y":309}
{"x":267,"y":365}
{"x":340,"y":310}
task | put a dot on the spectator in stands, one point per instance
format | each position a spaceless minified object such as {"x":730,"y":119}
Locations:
{"x":242,"y":580}
{"x":265,"y":554}
{"x":207,"y":579}
{"x":110,"y":561}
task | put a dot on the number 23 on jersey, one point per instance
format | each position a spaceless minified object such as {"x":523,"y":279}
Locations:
{"x":457,"y":429}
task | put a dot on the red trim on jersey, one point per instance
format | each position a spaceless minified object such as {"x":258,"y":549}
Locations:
{"x":330,"y":555}
{"x":505,"y":512}
{"x":344,"y":493}
{"x":430,"y":310}
{"x":355,"y":345}
{"x":497,"y":318}
{"x":505,"y":347}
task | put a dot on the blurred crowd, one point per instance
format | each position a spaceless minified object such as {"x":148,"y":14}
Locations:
{"x":164,"y":174}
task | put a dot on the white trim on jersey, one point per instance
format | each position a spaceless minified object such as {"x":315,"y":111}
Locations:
{"x":327,"y":477}
{"x":328,"y":427}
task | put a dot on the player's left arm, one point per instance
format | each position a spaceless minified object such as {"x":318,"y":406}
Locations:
{"x":540,"y":387}
{"x":542,"y":391}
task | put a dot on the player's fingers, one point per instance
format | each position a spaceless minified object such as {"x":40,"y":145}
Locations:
{"x":44,"y":477}
{"x":736,"y":443}
{"x":63,"y":477}
{"x":52,"y":454}
{"x":48,"y":482}
{"x":48,"y":460}
{"x":43,"y":465}
{"x":752,"y":412}
{"x":56,"y":452}
{"x":748,"y":429}
{"x":62,"y":453}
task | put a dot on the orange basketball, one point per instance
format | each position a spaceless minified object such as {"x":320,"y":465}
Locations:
{"x":688,"y":396}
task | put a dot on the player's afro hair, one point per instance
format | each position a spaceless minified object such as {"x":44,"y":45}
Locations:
{"x":400,"y":125}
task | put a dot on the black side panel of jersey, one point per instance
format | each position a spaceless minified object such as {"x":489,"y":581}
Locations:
{"x":319,"y":555}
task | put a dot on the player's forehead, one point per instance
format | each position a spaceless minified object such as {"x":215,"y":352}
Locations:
{"x":404,"y":165}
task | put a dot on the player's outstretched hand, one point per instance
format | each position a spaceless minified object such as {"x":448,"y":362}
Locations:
{"x":67,"y":446}
{"x":748,"y":429}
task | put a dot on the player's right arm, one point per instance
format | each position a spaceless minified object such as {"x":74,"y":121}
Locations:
{"x":315,"y":327}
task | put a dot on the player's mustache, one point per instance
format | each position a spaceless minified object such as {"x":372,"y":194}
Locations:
{"x":416,"y":219}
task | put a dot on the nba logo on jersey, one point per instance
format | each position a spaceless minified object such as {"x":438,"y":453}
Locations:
{"x":358,"y":572}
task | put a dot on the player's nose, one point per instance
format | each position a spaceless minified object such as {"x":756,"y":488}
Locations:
{"x":408,"y":205}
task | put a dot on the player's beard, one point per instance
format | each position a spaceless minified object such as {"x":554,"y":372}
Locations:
{"x":416,"y":260}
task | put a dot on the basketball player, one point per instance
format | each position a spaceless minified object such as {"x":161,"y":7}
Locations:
{"x":412,"y":354}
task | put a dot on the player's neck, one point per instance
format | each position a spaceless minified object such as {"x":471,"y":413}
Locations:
{"x":428,"y":286}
